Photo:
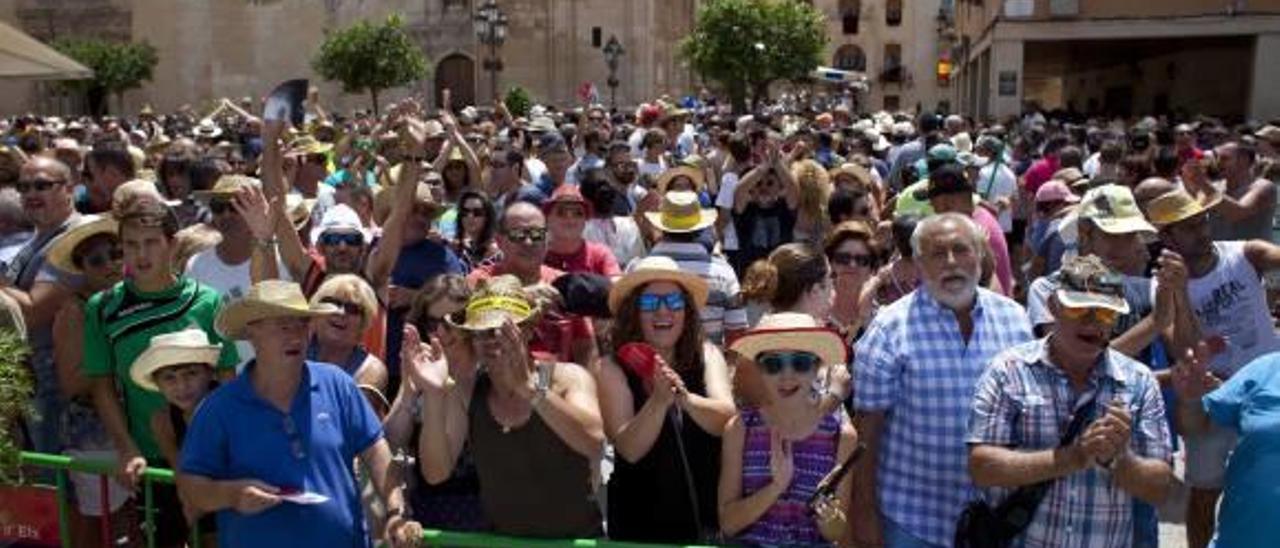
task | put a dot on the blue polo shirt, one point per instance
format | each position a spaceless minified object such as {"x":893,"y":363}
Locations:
{"x":235,"y":434}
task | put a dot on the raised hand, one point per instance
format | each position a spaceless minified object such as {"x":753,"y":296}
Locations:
{"x":1191,"y":376}
{"x":253,"y":207}
{"x":426,"y":364}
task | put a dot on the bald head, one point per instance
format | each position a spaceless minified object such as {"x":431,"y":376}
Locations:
{"x":1151,"y":188}
{"x":47,"y":192}
{"x":47,"y":166}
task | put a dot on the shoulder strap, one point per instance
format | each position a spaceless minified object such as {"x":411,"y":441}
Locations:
{"x":22,"y":261}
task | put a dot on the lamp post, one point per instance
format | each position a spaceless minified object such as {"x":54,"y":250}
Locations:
{"x":612,"y":51}
{"x":491,"y":29}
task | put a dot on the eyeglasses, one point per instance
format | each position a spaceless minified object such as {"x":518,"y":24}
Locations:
{"x":103,"y":257}
{"x":532,"y":235}
{"x":24,"y":186}
{"x":498,"y":165}
{"x":352,"y":239}
{"x":800,"y":362}
{"x":295,"y":440}
{"x":219,"y":207}
{"x":348,"y":308}
{"x":851,"y":259}
{"x":1104,"y":316}
{"x":568,"y":210}
{"x":473,"y":212}
{"x":650,"y":302}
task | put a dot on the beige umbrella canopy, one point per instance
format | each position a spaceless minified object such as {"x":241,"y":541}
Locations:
{"x":22,"y":56}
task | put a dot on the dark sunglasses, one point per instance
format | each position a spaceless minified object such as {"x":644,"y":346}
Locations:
{"x":473,"y":212}
{"x":103,"y":257}
{"x":800,"y":362}
{"x":851,"y":259}
{"x":24,"y":186}
{"x":533,"y":235}
{"x":650,"y":302}
{"x":353,"y":239}
{"x":348,"y":308}
{"x":219,"y":207}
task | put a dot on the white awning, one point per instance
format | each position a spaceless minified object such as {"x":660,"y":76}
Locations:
{"x":830,"y":75}
{"x":22,"y":56}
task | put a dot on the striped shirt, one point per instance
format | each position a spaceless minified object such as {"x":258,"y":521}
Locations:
{"x":914,"y":365}
{"x":1025,"y":402}
{"x":788,"y":521}
{"x":724,"y":310}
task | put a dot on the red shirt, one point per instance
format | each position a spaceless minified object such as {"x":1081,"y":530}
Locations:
{"x":1040,"y":172}
{"x":591,"y":257}
{"x":555,"y":332}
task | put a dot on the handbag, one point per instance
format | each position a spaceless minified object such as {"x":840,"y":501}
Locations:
{"x":825,"y":505}
{"x":981,"y":526}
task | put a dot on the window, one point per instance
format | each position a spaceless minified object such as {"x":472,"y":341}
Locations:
{"x":849,"y":12}
{"x":455,"y":4}
{"x":595,"y":37}
{"x":892,"y":63}
{"x":850,"y":57}
{"x":893,"y":13}
{"x":892,"y":103}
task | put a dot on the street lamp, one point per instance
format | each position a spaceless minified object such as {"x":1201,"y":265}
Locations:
{"x":612,"y":51}
{"x":491,"y":29}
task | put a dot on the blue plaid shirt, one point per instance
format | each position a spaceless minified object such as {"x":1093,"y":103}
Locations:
{"x":913,"y":364}
{"x":1026,"y":402}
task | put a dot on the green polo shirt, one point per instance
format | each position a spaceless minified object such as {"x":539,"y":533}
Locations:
{"x":119,"y":324}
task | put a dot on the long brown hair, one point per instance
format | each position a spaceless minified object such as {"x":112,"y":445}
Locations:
{"x":784,"y":277}
{"x":688,"y":351}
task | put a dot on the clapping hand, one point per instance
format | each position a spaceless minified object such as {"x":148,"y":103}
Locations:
{"x":781,"y":465}
{"x":1191,"y":376}
{"x":426,"y":363}
{"x":1107,"y":438}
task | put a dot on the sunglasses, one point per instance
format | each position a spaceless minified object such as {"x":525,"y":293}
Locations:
{"x":533,"y":235}
{"x":800,"y":362}
{"x":24,"y":186}
{"x":352,"y":239}
{"x":473,"y":212}
{"x":103,"y":257}
{"x":852,"y":259}
{"x":650,"y":302}
{"x":574,"y":211}
{"x":1104,"y":316}
{"x":219,"y":207}
{"x":498,"y":165}
{"x":348,"y":308}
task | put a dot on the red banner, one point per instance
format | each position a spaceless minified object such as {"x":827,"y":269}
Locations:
{"x":29,"y":515}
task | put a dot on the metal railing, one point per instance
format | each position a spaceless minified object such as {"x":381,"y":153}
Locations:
{"x":62,"y":465}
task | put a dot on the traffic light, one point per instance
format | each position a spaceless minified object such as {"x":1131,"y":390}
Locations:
{"x":944,"y":72}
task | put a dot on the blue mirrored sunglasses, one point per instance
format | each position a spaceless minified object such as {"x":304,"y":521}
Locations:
{"x":649,"y":302}
{"x":800,"y":362}
{"x":353,"y":239}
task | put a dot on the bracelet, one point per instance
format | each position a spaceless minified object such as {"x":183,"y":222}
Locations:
{"x":541,"y":384}
{"x":270,"y":242}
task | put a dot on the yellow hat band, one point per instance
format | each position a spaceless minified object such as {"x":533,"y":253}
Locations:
{"x":518,"y":307}
{"x":681,"y":222}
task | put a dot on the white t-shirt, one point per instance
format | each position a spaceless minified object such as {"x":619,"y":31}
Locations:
{"x":535,"y":168}
{"x":1230,"y":301}
{"x":620,"y":234}
{"x":995,"y":182}
{"x":724,"y":202}
{"x":653,"y":170}
{"x":1092,"y":164}
{"x":232,"y":281}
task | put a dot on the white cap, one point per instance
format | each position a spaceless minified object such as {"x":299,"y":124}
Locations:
{"x":339,"y":218}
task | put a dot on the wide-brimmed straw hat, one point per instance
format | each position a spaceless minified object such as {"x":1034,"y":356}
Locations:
{"x":1179,"y":205}
{"x":693,"y":173}
{"x":681,"y":212}
{"x":792,"y":331}
{"x":227,"y":187}
{"x":180,"y":347}
{"x":854,"y":171}
{"x":268,"y":299}
{"x":206,"y":129}
{"x":656,"y":268}
{"x":299,"y":209}
{"x":60,"y":253}
{"x":494,"y":301}
{"x":307,"y":144}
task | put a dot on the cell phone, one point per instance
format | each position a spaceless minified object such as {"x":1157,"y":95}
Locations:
{"x":640,"y":358}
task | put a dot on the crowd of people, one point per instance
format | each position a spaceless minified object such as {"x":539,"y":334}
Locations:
{"x":796,"y":327}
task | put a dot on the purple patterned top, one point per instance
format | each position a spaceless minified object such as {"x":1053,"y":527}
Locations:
{"x":788,"y":522}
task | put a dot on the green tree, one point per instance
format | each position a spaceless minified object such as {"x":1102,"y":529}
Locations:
{"x":746,"y":45}
{"x":371,"y":56}
{"x":518,"y":101}
{"x":17,"y":387}
{"x":117,"y":67}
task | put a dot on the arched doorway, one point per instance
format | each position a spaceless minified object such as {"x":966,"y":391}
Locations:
{"x":457,"y":73}
{"x":850,"y":57}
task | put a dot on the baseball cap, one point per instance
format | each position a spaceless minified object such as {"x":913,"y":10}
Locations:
{"x":1055,"y":191}
{"x":1113,"y":210}
{"x":1085,"y":282}
{"x":948,"y":179}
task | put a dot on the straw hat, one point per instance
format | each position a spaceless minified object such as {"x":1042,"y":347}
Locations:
{"x":226,"y":187}
{"x":307,"y":144}
{"x":854,"y":171}
{"x":206,"y":129}
{"x":59,"y":254}
{"x":655,"y":268}
{"x":299,"y":209}
{"x":495,"y":300}
{"x":1178,"y":205}
{"x":693,"y":173}
{"x":792,"y":331}
{"x":187,"y":346}
{"x":681,"y":212}
{"x":268,"y":299}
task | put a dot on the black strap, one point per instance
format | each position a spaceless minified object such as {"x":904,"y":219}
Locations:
{"x":1018,"y":508}
{"x":18,"y":266}
{"x":677,"y":421}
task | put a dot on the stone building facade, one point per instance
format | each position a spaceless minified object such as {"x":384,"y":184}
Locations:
{"x":1119,"y":57}
{"x":233,"y":48}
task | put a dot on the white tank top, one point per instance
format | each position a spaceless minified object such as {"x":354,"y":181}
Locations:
{"x":1230,"y":301}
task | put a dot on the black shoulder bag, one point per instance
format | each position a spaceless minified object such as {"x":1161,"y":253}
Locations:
{"x":981,"y":526}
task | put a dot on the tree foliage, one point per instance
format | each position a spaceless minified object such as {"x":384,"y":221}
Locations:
{"x":518,"y":101}
{"x":117,"y":66}
{"x":745,"y":45}
{"x":371,"y":57}
{"x":17,"y":388}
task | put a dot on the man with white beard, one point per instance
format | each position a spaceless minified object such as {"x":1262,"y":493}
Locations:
{"x":915,"y":370}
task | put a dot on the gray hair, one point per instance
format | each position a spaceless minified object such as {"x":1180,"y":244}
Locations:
{"x":934,"y":222}
{"x":11,"y":213}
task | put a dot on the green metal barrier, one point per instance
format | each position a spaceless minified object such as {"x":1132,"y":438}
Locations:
{"x":62,"y":465}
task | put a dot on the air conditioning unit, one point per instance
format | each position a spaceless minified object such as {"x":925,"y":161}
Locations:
{"x":1019,"y":8}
